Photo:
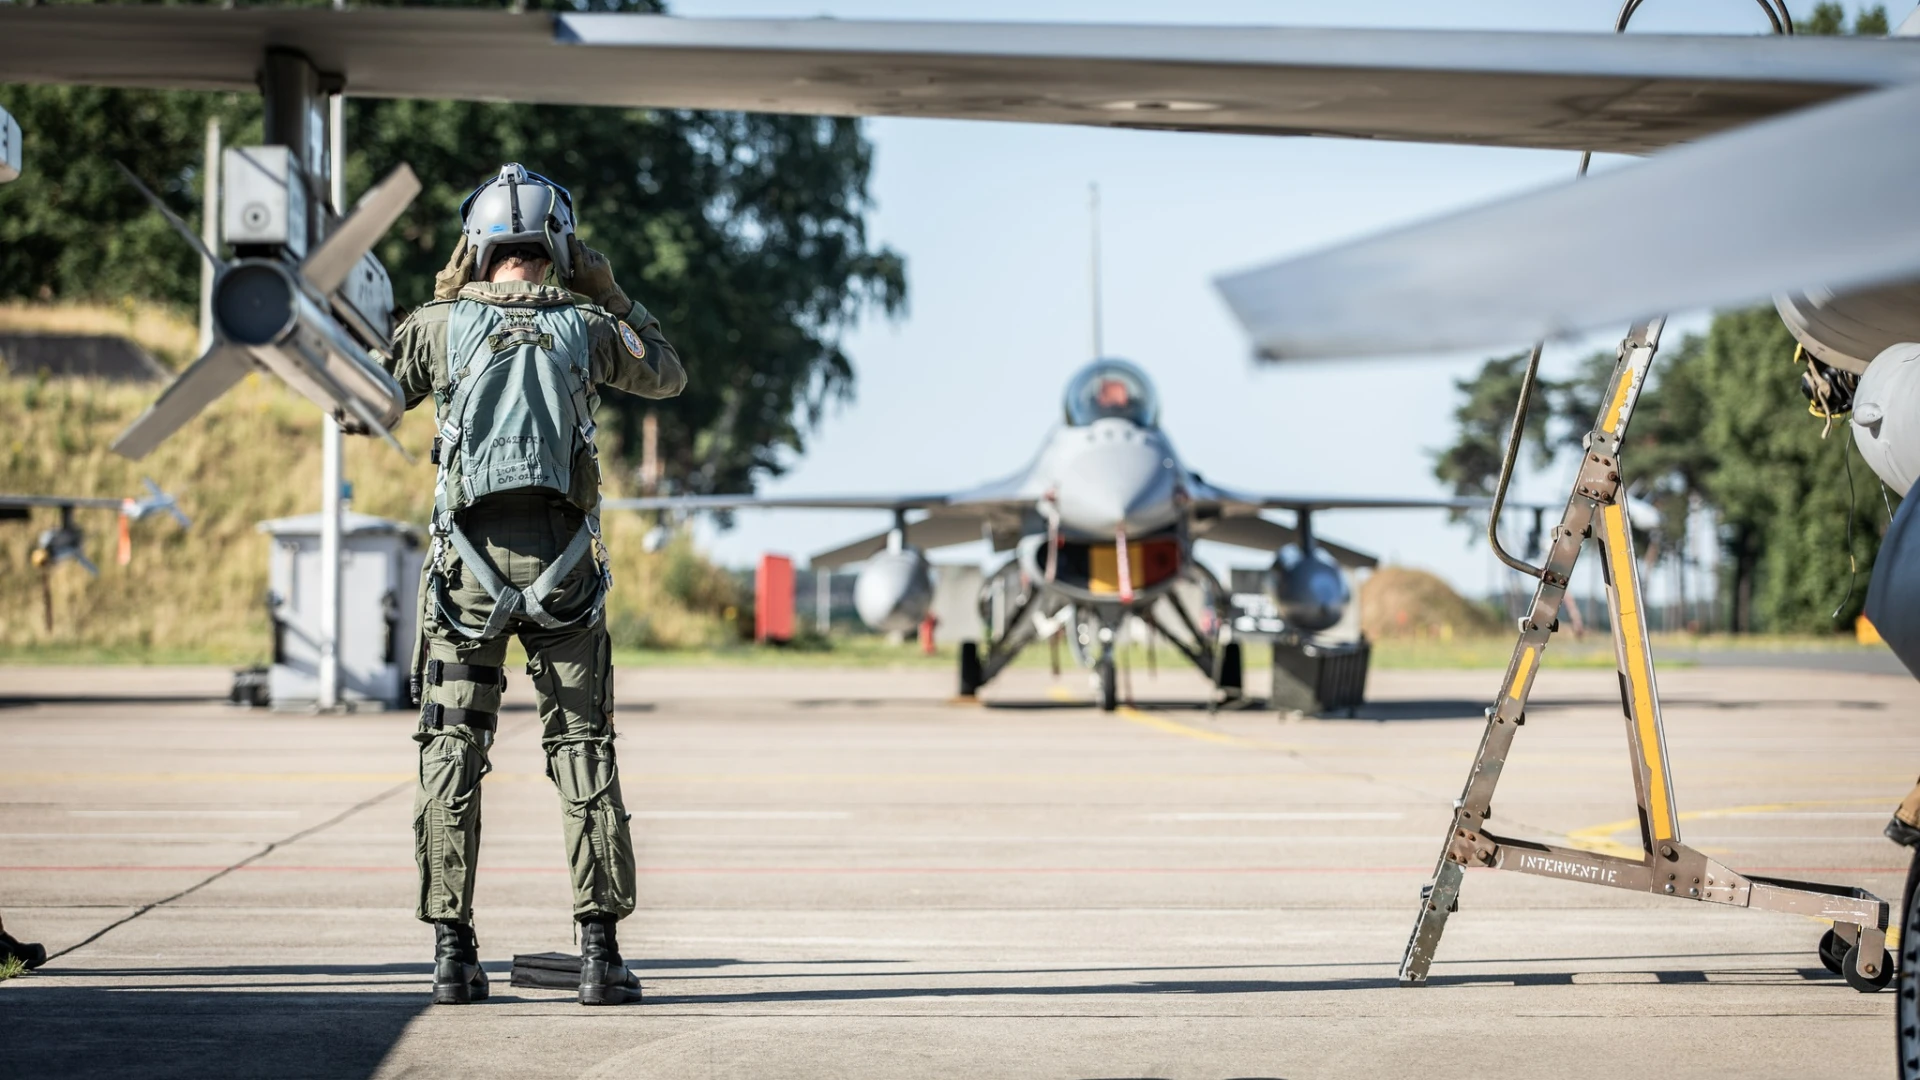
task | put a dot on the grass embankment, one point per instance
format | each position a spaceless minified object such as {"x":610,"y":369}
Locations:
{"x":198,"y":595}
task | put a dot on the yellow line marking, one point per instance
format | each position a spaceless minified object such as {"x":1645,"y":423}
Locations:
{"x":1175,"y":727}
{"x":1600,"y":838}
{"x":1646,"y":722}
{"x":1520,"y":674}
{"x":1061,"y":693}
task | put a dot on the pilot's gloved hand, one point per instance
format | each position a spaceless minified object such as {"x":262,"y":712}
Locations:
{"x":593,"y":279}
{"x":448,"y":282}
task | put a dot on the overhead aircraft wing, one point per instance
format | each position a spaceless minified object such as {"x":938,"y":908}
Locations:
{"x":1254,"y":531}
{"x":1550,"y":90}
{"x":1820,"y":199}
{"x":940,"y":529}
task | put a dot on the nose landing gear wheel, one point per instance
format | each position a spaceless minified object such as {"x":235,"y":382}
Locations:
{"x":1109,"y":686}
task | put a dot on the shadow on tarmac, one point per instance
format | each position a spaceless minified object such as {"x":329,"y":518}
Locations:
{"x":1372,"y":710}
{"x":76,"y":1032}
{"x":19,"y":701}
{"x":225,"y":1032}
{"x":1192,"y":987}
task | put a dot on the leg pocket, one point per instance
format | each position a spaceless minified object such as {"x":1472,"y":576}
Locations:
{"x":446,"y":824}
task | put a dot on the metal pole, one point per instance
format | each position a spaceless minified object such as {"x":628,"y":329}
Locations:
{"x":823,"y":601}
{"x":1093,"y":266}
{"x":209,"y":228}
{"x":332,"y":452}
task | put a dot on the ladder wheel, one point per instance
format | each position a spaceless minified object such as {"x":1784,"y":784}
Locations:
{"x":1832,"y":952}
{"x":1867,"y":984}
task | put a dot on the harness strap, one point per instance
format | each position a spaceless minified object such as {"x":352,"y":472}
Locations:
{"x":441,"y":672}
{"x":438,"y":716}
{"x":509,"y":601}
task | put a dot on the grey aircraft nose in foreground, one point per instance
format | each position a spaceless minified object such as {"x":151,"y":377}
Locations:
{"x":1102,"y":526}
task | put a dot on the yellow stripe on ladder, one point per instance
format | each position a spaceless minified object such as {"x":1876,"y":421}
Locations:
{"x":1639,"y":672}
{"x":1520,"y":674}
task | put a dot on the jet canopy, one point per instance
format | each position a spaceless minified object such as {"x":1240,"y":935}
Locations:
{"x":1111,"y":388}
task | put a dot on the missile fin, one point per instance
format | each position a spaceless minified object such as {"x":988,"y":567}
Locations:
{"x":206,"y":379}
{"x":327,"y":268}
{"x":172,"y":218}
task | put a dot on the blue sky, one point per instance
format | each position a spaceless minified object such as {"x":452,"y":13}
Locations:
{"x":992,"y":219}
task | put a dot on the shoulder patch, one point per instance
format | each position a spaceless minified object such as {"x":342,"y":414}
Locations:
{"x":632,"y":341}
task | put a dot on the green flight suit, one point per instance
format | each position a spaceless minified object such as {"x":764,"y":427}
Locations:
{"x":521,"y":533}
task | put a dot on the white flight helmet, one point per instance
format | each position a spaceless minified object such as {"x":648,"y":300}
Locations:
{"x":519,"y":207}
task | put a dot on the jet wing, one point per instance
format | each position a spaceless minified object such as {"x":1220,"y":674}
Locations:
{"x":154,"y":502}
{"x":30,"y":502}
{"x":1547,"y":90}
{"x":1820,"y":199}
{"x":1254,"y":531}
{"x":940,"y":529}
{"x":697,"y":503}
{"x":1208,"y":496}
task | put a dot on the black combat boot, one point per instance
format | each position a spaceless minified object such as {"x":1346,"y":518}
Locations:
{"x":30,"y":954}
{"x":604,"y":978}
{"x":457,"y":975}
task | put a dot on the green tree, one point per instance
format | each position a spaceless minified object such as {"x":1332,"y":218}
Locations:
{"x":71,"y":227}
{"x":744,"y":233}
{"x":1782,"y":491}
{"x":1668,"y":461}
{"x":1484,"y":419}
{"x":1830,"y":18}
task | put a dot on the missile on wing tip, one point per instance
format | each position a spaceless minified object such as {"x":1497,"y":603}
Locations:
{"x":9,"y":147}
{"x":259,"y":305}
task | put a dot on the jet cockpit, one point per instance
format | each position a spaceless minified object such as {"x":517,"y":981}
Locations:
{"x":1111,"y":388}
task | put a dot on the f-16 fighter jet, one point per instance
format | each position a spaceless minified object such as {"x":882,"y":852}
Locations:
{"x":1102,"y":526}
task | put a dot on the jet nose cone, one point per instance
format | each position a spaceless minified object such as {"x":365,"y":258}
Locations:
{"x":1118,"y":477}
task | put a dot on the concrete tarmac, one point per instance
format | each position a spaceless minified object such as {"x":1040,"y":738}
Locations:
{"x":846,"y":874}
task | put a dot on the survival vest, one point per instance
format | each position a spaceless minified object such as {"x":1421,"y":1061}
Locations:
{"x":516,"y":414}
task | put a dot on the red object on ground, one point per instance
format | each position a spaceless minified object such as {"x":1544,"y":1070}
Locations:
{"x":773,"y":599}
{"x":926,"y":634}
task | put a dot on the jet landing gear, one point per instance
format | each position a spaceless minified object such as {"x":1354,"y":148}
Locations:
{"x":1017,"y":615}
{"x":1109,"y":678}
{"x":1094,"y":636}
